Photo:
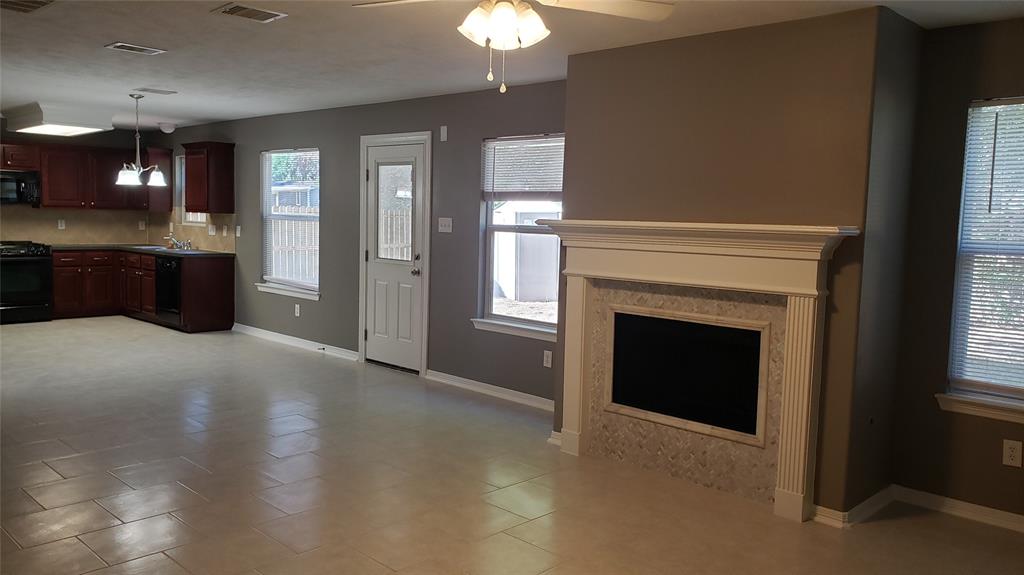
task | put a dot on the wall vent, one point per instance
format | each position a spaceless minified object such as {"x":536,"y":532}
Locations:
{"x":24,"y":6}
{"x":135,"y":49}
{"x":258,"y":14}
{"x":158,"y":91}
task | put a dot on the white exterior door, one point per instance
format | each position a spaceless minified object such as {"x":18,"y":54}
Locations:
{"x":394,"y":239}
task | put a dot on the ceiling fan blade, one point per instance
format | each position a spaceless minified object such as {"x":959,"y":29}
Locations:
{"x":382,"y":3}
{"x":650,"y":10}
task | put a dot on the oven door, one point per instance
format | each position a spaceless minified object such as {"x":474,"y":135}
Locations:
{"x":26,"y":289}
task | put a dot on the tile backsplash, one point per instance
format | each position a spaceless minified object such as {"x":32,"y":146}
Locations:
{"x":201,"y":239}
{"x":23,"y":222}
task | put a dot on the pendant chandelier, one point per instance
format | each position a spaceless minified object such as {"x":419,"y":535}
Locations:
{"x":131,"y":174}
{"x":503,"y":25}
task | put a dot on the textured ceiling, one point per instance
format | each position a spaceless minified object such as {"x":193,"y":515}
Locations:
{"x":327,"y":54}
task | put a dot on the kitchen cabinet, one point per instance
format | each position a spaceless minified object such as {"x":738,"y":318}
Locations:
{"x":210,"y":177}
{"x":84,"y":283}
{"x":159,"y":198}
{"x":147,"y":290}
{"x":20,"y":157}
{"x":68,"y":292}
{"x":64,"y":174}
{"x":104,"y":165}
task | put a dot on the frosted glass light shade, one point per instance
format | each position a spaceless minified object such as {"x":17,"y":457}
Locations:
{"x":128,"y":177}
{"x":476,"y":25}
{"x":531,"y":27}
{"x":157,"y":178}
{"x":504,"y":26}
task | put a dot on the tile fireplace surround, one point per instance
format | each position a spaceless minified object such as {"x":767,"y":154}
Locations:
{"x":788,"y":262}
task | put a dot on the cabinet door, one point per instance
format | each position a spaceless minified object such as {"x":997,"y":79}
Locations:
{"x":20,"y":157}
{"x":159,"y":198}
{"x":64,"y":172}
{"x":67,"y":292}
{"x":100,"y":291}
{"x":133,"y":289}
{"x":196,"y":182}
{"x":104,"y":166}
{"x":148,"y":291}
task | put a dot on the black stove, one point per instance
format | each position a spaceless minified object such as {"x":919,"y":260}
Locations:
{"x":26,"y":282}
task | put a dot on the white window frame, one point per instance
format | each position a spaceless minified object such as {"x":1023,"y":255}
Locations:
{"x":273,"y":285}
{"x":980,"y":398}
{"x":490,"y":321}
{"x":187,"y":218}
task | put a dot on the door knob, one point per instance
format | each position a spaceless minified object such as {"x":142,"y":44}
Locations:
{"x":415,"y":271}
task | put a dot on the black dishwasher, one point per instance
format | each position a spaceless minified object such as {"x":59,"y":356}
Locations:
{"x":168,"y":289}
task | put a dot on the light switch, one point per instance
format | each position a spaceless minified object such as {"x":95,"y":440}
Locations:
{"x":444,"y":225}
{"x":211,"y":229}
{"x":170,"y":226}
{"x":444,"y":133}
{"x":60,"y":224}
{"x":238,"y":231}
{"x":224,"y":230}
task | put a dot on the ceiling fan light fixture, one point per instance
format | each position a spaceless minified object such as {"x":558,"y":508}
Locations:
{"x":477,"y":24}
{"x":531,"y":27}
{"x":504,"y":26}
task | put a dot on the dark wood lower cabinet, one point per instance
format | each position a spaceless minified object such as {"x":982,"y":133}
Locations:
{"x":68,"y":292}
{"x":100,"y":289}
{"x":147,"y":289}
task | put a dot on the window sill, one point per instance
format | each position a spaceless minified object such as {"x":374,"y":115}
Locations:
{"x":290,"y":291}
{"x":515,"y":328}
{"x":1003,"y":409}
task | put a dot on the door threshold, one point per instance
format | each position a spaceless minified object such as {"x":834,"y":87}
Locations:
{"x":392,"y":366}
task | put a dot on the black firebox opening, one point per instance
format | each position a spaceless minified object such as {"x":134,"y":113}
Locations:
{"x":696,"y":371}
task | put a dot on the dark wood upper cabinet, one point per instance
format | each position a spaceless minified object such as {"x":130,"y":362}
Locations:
{"x":210,"y":177}
{"x":20,"y":157}
{"x":64,"y":173}
{"x":159,"y":198}
{"x":104,"y":165}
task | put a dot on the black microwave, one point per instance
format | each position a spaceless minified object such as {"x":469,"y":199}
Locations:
{"x":19,"y":188}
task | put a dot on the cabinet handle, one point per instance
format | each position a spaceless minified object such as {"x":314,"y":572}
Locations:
{"x":79,"y":270}
{"x":89,"y":270}
{"x":92,"y":203}
{"x":67,"y":259}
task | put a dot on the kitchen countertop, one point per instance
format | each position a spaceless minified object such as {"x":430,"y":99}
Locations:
{"x":142,"y":249}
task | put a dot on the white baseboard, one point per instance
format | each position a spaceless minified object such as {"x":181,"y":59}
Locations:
{"x":971,"y":511}
{"x":296,"y":342}
{"x":864,"y":510}
{"x":491,"y":390}
{"x":556,"y":438}
{"x":939,"y":503}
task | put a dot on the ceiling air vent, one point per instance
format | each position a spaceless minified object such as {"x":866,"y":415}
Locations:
{"x":24,"y":6}
{"x":135,"y":49}
{"x":158,"y":91}
{"x":257,"y":14}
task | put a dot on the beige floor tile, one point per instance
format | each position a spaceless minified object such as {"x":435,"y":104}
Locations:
{"x":292,"y":444}
{"x":156,"y":500}
{"x":290,"y":424}
{"x":502,"y":554}
{"x":36,"y":451}
{"x":139,"y":538}
{"x":158,"y":564}
{"x":471,"y":521}
{"x":227,"y":516}
{"x":407,"y":543}
{"x":306,"y":531}
{"x":64,"y":557}
{"x":68,"y":491}
{"x":295,"y":468}
{"x":500,"y":471}
{"x":332,"y":560}
{"x":15,"y":502}
{"x":229,"y":485}
{"x":525,"y":499}
{"x":222,"y":458}
{"x":93,"y":462}
{"x":302,"y":495}
{"x":156,"y":472}
{"x":7,"y":545}
{"x":230,"y":554}
{"x":53,"y":524}
{"x":28,"y":474}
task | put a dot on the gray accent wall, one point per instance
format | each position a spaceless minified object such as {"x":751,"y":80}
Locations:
{"x":455,"y":346}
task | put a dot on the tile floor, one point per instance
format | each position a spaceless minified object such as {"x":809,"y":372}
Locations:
{"x":132,"y":449}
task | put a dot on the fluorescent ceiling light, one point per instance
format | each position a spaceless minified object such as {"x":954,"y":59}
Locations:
{"x":58,"y":130}
{"x":57,"y":119}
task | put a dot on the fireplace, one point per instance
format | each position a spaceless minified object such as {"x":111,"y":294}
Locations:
{"x":731,"y":275}
{"x":702,"y":373}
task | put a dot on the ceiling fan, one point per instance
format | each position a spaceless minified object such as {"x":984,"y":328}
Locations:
{"x":510,"y":24}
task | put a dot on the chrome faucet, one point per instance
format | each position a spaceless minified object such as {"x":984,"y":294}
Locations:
{"x":178,"y":244}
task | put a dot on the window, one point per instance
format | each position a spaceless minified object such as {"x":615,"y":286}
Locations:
{"x":987,"y":348}
{"x":522,"y":183}
{"x":291,"y":221}
{"x":187,"y":218}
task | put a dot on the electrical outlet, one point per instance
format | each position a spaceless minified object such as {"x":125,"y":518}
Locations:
{"x":1011,"y":453}
{"x":142,"y":225}
{"x":211,"y":229}
{"x":444,"y":133}
{"x":61,"y":225}
{"x":444,"y":225}
{"x":238,"y":231}
{"x":547,"y":358}
{"x":224,"y":230}
{"x":298,"y":310}
{"x":170,"y":226}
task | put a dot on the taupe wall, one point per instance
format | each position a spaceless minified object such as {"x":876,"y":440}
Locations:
{"x":869,"y":466}
{"x":950,"y":454}
{"x":455,"y":346}
{"x":760,"y":125}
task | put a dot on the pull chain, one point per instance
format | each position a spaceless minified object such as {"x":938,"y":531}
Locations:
{"x":503,"y":88}
{"x":490,"y":61}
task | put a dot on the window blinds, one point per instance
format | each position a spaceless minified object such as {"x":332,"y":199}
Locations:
{"x":528,"y":168}
{"x":987,"y":352}
{"x":291,"y":217}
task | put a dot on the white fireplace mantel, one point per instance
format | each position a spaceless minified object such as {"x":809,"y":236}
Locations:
{"x":779,"y":259}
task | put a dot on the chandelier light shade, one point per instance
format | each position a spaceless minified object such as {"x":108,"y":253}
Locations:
{"x":503,"y":25}
{"x":131,"y":174}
